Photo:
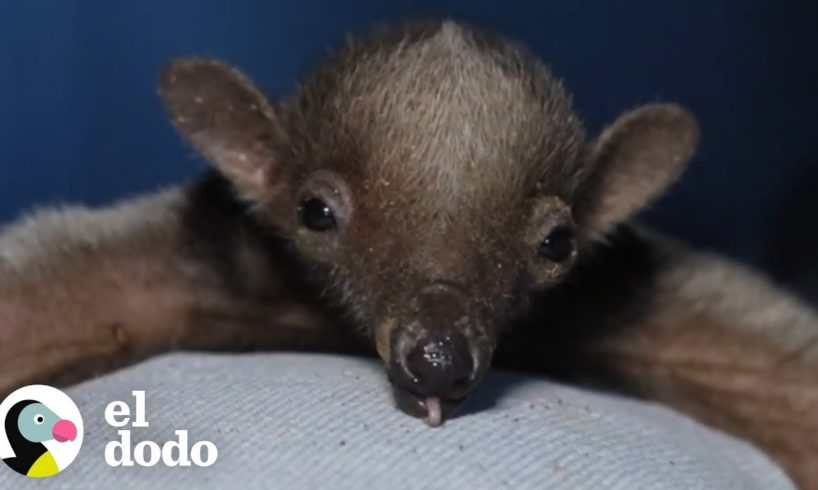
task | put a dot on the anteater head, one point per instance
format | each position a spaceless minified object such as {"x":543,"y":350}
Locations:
{"x":436,"y":176}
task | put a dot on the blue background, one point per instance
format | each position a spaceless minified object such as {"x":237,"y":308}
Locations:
{"x":80,"y":120}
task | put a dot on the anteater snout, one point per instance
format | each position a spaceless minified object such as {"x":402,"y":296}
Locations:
{"x":439,"y":353}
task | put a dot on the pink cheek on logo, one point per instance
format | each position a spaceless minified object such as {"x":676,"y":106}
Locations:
{"x":64,"y":430}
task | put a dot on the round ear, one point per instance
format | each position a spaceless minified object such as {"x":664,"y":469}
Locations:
{"x":633,"y":162}
{"x":226,"y":119}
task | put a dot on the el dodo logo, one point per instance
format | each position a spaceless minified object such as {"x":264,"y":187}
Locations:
{"x":177,"y":452}
{"x":41,"y":431}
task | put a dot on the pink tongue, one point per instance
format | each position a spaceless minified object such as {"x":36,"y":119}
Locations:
{"x":434,"y":413}
{"x":64,"y":430}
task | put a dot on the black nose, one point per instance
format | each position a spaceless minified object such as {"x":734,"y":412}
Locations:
{"x":441,"y":365}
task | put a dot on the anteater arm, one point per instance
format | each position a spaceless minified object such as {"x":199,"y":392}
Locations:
{"x":85,"y":291}
{"x":722,"y":344}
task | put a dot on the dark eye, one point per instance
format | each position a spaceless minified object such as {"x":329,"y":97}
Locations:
{"x":39,"y":419}
{"x":316,"y":215}
{"x":558,"y":245}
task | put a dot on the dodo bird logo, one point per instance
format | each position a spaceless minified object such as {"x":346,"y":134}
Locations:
{"x":41,"y":433}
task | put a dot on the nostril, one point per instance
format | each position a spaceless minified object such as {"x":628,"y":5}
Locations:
{"x":408,"y":375}
{"x":400,"y":370}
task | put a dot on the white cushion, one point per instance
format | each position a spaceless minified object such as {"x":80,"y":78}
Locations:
{"x":304,"y":421}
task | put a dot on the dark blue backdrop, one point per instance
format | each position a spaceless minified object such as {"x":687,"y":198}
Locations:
{"x":80,"y":121}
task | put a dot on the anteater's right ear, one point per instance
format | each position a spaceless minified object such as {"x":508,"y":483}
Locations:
{"x":227,"y":119}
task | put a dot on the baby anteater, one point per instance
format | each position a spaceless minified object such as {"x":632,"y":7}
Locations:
{"x":428,"y":194}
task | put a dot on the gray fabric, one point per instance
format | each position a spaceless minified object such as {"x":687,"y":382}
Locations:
{"x":293,"y":421}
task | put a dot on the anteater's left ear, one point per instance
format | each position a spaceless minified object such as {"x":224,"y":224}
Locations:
{"x":228,"y":120}
{"x":633,"y":162}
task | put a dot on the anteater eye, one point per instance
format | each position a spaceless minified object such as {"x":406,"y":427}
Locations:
{"x":316,"y":215}
{"x":558,"y":245}
{"x":39,"y":419}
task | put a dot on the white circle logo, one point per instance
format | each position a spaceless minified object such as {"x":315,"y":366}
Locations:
{"x":40,"y":431}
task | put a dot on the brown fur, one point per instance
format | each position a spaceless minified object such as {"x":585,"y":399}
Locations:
{"x":707,"y":336}
{"x":447,"y":155}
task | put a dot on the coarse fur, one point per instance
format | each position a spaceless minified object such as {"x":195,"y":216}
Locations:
{"x":447,"y":156}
